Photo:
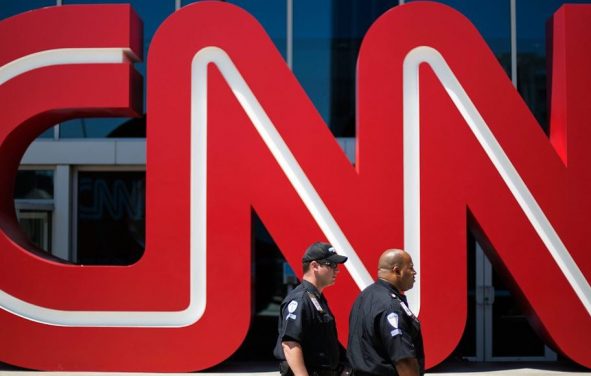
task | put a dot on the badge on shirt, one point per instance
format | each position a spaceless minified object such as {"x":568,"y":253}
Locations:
{"x":393,"y":319}
{"x":406,"y":309}
{"x":291,"y":307}
{"x":315,"y":302}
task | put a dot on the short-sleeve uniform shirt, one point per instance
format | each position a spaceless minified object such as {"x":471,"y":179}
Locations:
{"x":305,"y":318}
{"x":382,"y":331}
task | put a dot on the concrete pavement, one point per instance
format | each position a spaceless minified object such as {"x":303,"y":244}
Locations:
{"x":519,"y":372}
{"x":504,"y":372}
{"x":268,"y":369}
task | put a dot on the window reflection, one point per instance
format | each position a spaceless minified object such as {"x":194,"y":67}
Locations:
{"x":104,"y":127}
{"x":9,"y":8}
{"x":34,"y":184}
{"x":36,"y":224}
{"x":111,"y":217}
{"x":48,"y":133}
{"x":532,"y":19}
{"x":327,"y":37}
{"x":33,"y":195}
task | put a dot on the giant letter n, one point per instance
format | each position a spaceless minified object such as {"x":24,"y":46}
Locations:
{"x":474,"y":156}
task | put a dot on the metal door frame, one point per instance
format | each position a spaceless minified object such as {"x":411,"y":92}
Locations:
{"x":485,"y":296}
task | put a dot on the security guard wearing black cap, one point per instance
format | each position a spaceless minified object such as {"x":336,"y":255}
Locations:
{"x":384,"y":335}
{"x":307,"y":343}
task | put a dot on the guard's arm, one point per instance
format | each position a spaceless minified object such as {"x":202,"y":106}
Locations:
{"x":407,"y":367}
{"x":294,"y":357}
{"x":394,"y":332}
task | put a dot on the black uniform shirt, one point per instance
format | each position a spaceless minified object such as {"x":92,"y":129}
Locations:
{"x":305,"y":318}
{"x":382,"y":331}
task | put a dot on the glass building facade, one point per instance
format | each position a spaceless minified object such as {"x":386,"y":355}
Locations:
{"x":87,"y":207}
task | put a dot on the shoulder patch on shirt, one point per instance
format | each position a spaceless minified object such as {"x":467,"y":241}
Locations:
{"x":393,"y":319}
{"x":292,"y":306}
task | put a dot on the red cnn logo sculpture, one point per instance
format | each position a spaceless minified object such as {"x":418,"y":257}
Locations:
{"x":443,"y":142}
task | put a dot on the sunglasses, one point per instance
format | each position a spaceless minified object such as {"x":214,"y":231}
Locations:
{"x":332,"y":265}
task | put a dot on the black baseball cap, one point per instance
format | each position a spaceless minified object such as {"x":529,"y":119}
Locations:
{"x":323,"y":251}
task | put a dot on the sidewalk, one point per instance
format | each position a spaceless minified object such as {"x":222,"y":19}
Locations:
{"x":520,"y":372}
{"x":505,"y":372}
{"x":267,"y":369}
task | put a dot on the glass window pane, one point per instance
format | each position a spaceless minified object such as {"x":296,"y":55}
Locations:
{"x":468,"y":344}
{"x":111,"y":217}
{"x":37,"y":226}
{"x":10,"y":8}
{"x":312,"y":32}
{"x":47,"y":134}
{"x":512,"y":334}
{"x":104,"y":127}
{"x":33,"y":194}
{"x":326,"y":40}
{"x":532,"y":19}
{"x":34,"y":184}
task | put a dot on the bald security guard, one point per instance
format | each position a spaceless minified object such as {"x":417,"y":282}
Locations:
{"x":307,"y":343}
{"x":384,"y":335}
